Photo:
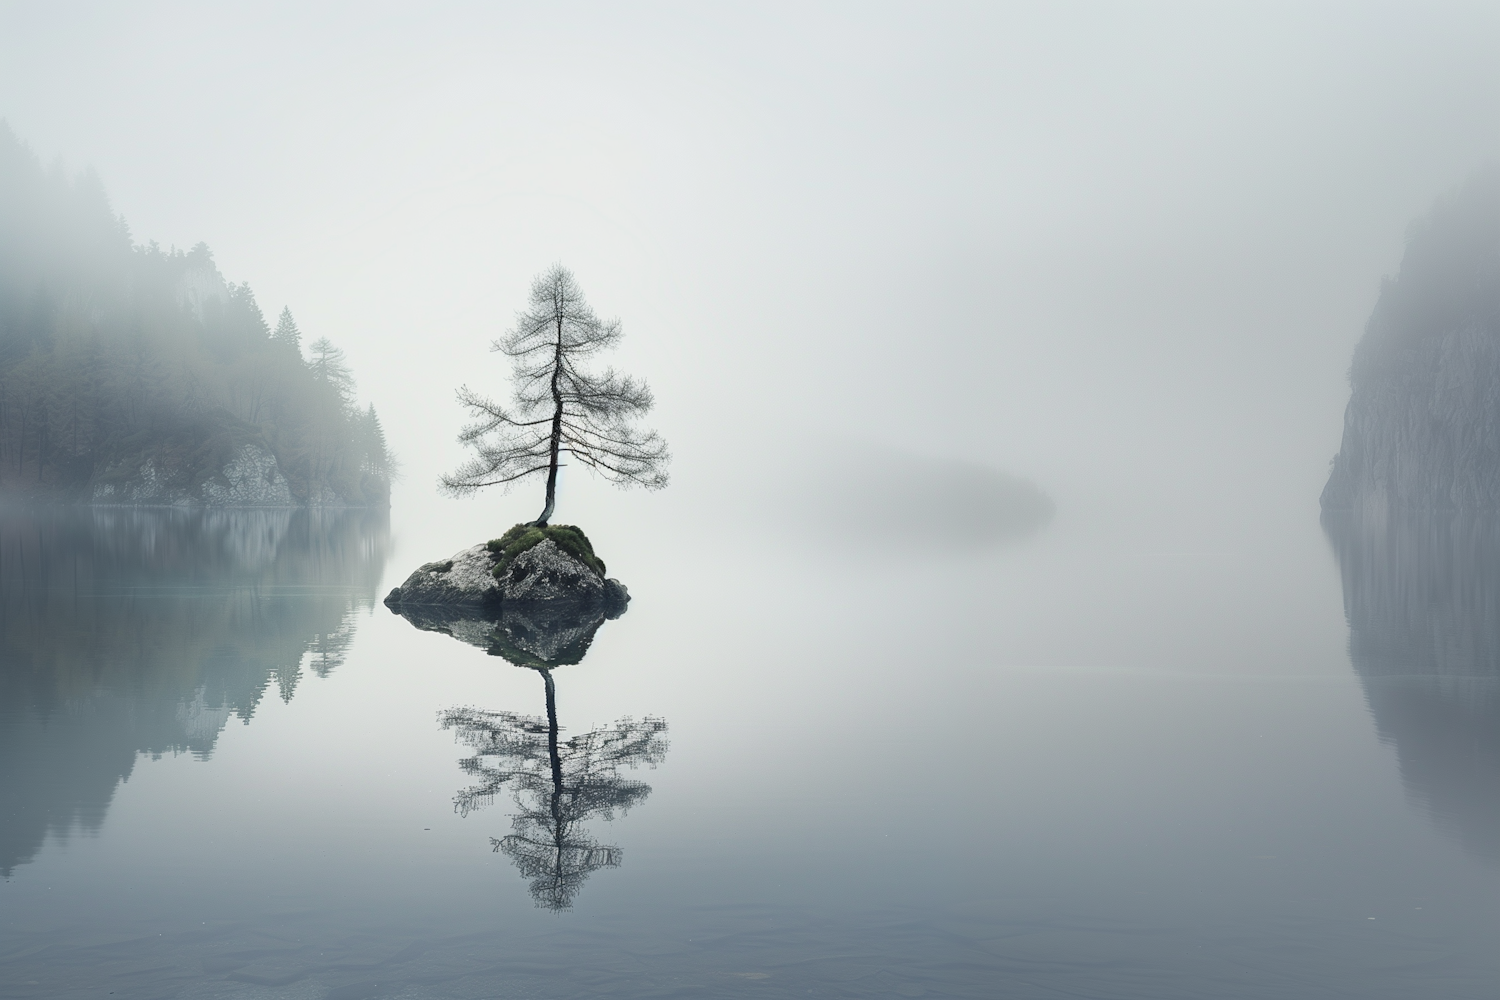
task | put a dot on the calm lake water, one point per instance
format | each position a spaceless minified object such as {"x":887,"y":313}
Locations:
{"x":1105,"y":759}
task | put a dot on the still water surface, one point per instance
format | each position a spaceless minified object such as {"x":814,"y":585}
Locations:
{"x":1097,"y":761}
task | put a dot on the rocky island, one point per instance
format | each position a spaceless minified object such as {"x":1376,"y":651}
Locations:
{"x":1422,"y":429}
{"x":536,"y":597}
{"x":533,"y":594}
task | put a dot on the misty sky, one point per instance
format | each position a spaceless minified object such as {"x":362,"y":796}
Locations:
{"x":1123,"y":250}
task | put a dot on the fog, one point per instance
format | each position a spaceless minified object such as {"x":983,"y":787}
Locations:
{"x":1002,"y":352}
{"x":1123,"y":252}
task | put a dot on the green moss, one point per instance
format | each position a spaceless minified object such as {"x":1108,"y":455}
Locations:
{"x":570,"y":539}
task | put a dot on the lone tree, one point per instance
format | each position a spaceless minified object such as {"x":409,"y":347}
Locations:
{"x":559,"y":407}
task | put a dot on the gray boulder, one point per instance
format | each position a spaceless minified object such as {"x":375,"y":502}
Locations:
{"x":466,"y":580}
{"x":543,"y":574}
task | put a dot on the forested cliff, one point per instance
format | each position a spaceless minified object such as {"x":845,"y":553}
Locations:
{"x":1422,"y":429}
{"x":130,"y":374}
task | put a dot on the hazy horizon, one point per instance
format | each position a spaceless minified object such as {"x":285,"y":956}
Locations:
{"x":1002,"y":352}
{"x":1123,"y":252}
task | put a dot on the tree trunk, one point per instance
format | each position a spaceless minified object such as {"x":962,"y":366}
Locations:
{"x":541,"y":522}
{"x":557,"y":411}
{"x":557,"y":788}
{"x":552,"y":732}
{"x":552,"y":727}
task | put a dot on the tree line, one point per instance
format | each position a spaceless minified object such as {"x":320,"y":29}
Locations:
{"x":114,"y":354}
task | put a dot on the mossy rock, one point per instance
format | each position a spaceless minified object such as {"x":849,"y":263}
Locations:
{"x":566,"y":537}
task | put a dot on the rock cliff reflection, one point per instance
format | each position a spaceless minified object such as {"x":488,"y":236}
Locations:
{"x":1422,"y":597}
{"x":130,"y":631}
{"x":556,"y":784}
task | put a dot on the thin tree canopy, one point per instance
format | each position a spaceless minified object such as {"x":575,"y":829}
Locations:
{"x":559,"y":406}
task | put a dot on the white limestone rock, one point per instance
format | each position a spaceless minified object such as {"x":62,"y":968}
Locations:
{"x":146,"y":487}
{"x":252,"y":478}
{"x":466,"y":580}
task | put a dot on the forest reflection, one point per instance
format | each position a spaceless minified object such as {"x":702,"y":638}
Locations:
{"x":1422,"y":598}
{"x":129,"y":630}
{"x":556,"y":784}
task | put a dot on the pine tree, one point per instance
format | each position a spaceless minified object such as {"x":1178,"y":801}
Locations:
{"x":377,"y":455}
{"x":328,"y":366}
{"x":287,"y":333}
{"x":560,"y":407}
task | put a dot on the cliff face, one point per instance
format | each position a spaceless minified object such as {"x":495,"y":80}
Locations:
{"x":250,"y":479}
{"x":1422,"y":429}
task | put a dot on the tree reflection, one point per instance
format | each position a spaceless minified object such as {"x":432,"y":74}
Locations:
{"x":557,"y":784}
{"x":1422,"y":598}
{"x":130,"y":631}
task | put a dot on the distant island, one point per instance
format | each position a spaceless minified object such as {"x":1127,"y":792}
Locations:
{"x":1422,"y":429}
{"x":133,"y":375}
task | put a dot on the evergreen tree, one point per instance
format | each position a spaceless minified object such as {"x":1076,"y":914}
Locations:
{"x":377,"y":455}
{"x":328,"y":366}
{"x":114,"y":355}
{"x":560,"y":405}
{"x":287,"y":334}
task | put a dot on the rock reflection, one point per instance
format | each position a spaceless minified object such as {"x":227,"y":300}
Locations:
{"x":535,"y":634}
{"x":129,"y":631}
{"x":557,"y":784}
{"x":1422,"y":598}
